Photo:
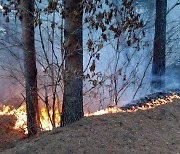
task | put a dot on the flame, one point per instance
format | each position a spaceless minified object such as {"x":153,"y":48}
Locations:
{"x":45,"y":120}
{"x":20,"y":113}
{"x":146,"y":106}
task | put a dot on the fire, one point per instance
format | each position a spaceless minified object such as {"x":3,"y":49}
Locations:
{"x":146,"y":106}
{"x":45,"y":120}
{"x":46,"y":124}
{"x":20,"y":114}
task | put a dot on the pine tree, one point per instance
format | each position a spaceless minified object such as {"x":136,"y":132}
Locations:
{"x":72,"y":109}
{"x":158,"y":66}
{"x":30,"y":66}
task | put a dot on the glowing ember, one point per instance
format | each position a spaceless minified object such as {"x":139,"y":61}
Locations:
{"x":146,"y":106}
{"x":46,"y":124}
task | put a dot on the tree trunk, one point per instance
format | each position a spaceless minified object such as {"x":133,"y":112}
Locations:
{"x":30,"y":66}
{"x":158,"y":66}
{"x":72,"y":109}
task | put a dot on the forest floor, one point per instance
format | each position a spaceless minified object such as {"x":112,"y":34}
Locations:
{"x":155,"y":131}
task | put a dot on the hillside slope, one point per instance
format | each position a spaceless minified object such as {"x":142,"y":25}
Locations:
{"x":144,"y":132}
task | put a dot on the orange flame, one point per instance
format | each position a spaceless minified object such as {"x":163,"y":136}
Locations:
{"x":21,"y":122}
{"x":146,"y":106}
{"x":21,"y":117}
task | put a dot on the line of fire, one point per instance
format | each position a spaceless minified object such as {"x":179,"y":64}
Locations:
{"x":45,"y":122}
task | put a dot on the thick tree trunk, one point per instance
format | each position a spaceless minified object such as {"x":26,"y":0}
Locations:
{"x":30,"y":66}
{"x":158,"y":66}
{"x":72,"y":109}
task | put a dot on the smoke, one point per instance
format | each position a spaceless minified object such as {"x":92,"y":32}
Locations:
{"x":128,"y":70}
{"x":172,"y":77}
{"x":135,"y":67}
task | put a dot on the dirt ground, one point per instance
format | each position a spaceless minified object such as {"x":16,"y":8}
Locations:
{"x":155,"y":131}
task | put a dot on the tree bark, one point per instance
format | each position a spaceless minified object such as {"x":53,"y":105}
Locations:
{"x":30,"y":66}
{"x":158,"y":66}
{"x":72,"y":109}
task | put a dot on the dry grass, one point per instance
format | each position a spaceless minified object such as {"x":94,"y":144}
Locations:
{"x":153,"y":131}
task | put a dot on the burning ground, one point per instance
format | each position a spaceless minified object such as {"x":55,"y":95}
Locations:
{"x":145,"y":131}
